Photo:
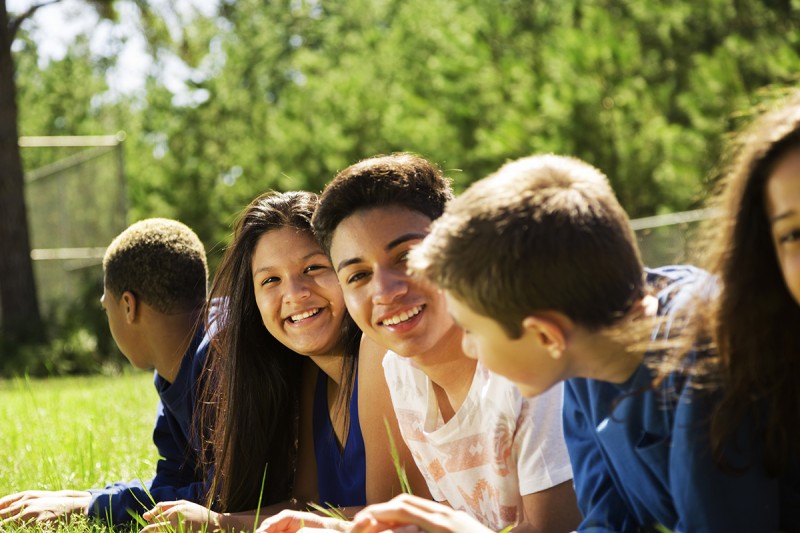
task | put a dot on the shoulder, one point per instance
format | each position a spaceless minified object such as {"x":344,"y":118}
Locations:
{"x":676,"y":286}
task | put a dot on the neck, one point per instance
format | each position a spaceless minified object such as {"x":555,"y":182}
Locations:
{"x":597,"y":357}
{"x":330,"y":364}
{"x":608,"y":355}
{"x":450,"y":370}
{"x":168,"y":339}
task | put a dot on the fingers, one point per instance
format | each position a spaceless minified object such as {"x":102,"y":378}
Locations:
{"x":283,"y":522}
{"x":408,"y":528}
{"x":157,"y":526}
{"x":162,"y":509}
{"x":24,"y":516}
{"x":5,"y":501}
{"x":12,"y":511}
{"x":11,"y":499}
{"x":405,"y":511}
{"x":317,"y":530}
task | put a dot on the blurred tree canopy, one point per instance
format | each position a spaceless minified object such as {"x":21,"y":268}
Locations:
{"x":282,"y":94}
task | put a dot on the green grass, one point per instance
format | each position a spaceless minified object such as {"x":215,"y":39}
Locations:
{"x":76,"y":433}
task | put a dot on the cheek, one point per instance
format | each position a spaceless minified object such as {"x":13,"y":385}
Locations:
{"x":357,"y":307}
{"x":332,"y":292}
{"x":269,"y":311}
{"x":790,"y":265}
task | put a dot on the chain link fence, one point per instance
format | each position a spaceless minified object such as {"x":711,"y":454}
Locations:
{"x":76,"y":205}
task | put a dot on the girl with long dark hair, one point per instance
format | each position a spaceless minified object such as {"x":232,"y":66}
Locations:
{"x":754,"y":250}
{"x":282,"y":298}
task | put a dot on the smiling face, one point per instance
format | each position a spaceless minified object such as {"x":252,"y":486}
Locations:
{"x":783,"y":211}
{"x":402,"y":313}
{"x":297,"y":293}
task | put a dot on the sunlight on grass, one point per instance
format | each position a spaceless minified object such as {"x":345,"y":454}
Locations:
{"x":76,"y":433}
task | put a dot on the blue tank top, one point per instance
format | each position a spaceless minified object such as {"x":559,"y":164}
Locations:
{"x":341,"y":477}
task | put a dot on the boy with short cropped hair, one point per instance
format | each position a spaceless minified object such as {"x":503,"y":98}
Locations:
{"x":540,"y":267}
{"x":155,"y":280}
{"x":481,"y":446}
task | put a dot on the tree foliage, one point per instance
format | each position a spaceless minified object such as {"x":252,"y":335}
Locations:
{"x":281,"y":94}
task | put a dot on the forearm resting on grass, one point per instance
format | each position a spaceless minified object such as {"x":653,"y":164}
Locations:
{"x":167,"y":516}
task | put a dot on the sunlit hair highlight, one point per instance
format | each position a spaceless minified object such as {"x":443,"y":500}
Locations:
{"x":401,"y":179}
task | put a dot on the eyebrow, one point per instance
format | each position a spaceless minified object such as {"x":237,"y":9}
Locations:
{"x":270,"y":267}
{"x":394,"y":243}
{"x":781,"y":216}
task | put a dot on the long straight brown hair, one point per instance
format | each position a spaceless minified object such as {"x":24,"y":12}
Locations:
{"x":753,"y":321}
{"x":250,"y":401}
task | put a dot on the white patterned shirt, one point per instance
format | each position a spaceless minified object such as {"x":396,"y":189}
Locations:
{"x":498,"y":445}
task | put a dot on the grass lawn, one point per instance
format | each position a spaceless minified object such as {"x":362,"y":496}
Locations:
{"x":76,"y":433}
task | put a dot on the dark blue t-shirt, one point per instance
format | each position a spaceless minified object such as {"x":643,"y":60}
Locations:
{"x":341,"y":475}
{"x":640,"y":456}
{"x":178,"y":472}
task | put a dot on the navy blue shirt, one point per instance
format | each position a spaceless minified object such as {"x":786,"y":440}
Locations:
{"x":641,"y":456}
{"x":341,"y":475}
{"x":178,"y":473}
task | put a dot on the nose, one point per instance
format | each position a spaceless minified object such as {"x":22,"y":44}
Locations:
{"x":389,"y":285}
{"x":295,"y":290}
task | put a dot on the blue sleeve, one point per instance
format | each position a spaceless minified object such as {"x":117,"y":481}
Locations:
{"x":175,"y":478}
{"x":600,"y":503}
{"x":707,"y":498}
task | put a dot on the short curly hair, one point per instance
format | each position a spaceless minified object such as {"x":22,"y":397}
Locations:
{"x":162,"y":262}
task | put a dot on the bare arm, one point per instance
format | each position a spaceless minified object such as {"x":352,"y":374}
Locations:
{"x":550,"y":510}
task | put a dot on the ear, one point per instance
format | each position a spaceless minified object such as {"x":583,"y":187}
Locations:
{"x":129,"y":305}
{"x":548,"y":332}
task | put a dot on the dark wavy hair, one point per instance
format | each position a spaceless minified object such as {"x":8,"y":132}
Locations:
{"x":753,"y":319}
{"x":250,"y":401}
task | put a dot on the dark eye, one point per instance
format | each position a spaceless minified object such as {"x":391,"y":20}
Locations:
{"x":314,"y":268}
{"x":271,"y":279}
{"x":790,"y":236}
{"x":356,"y":277}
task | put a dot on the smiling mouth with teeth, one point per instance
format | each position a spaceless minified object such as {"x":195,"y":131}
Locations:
{"x":304,"y":315}
{"x":402,"y":317}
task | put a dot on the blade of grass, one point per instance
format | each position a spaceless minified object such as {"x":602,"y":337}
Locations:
{"x":405,"y":486}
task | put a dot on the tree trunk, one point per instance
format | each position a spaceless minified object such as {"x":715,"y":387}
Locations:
{"x":19,"y":310}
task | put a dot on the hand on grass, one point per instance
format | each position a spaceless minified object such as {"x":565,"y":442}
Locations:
{"x":290,"y":521}
{"x":411,"y":513}
{"x":42,"y":506}
{"x":166,"y":516}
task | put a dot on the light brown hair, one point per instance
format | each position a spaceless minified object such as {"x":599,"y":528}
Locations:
{"x":542,"y":233}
